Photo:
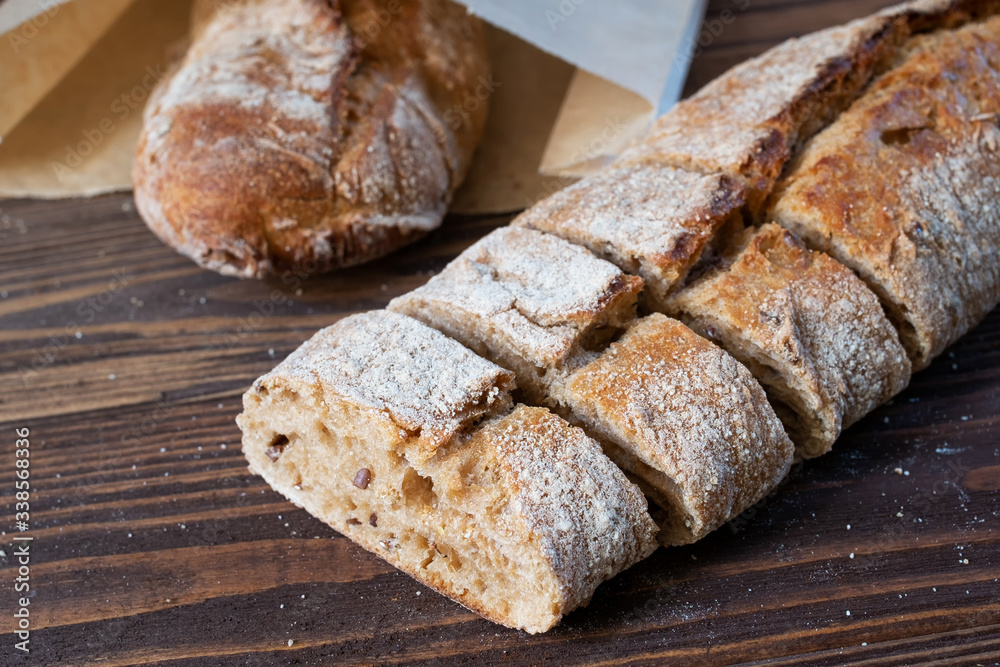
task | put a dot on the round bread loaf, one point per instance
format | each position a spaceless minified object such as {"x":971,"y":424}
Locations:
{"x":307,"y":135}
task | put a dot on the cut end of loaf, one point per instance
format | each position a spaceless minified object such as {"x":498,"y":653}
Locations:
{"x":405,"y":441}
{"x":519,"y":537}
{"x":415,"y":378}
{"x":326,"y":464}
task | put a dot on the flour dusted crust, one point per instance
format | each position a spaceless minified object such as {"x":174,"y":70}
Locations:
{"x":513,"y":513}
{"x":429,"y":425}
{"x":664,"y":203}
{"x":751,"y":120}
{"x":668,"y":198}
{"x":653,"y":221}
{"x":529,"y":301}
{"x":414,"y":378}
{"x":748,"y":122}
{"x":308,"y":135}
{"x":904,"y":187}
{"x":806,"y":326}
{"x":685,"y":419}
{"x":526,"y":300}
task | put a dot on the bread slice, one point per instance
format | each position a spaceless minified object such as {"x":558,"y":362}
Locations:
{"x":903,"y":188}
{"x":806,"y":326}
{"x":406,"y":443}
{"x":530,"y":302}
{"x":749,"y":121}
{"x":649,"y":220}
{"x":686,"y":420}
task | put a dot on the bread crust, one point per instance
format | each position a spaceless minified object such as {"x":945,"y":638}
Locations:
{"x":514,"y":514}
{"x":310,"y":135}
{"x":902,"y":188}
{"x":926,"y":15}
{"x":660,"y":206}
{"x":688,"y":420}
{"x":525,"y":300}
{"x":652,"y":221}
{"x":749,"y":121}
{"x":557,"y":475}
{"x":528,"y":301}
{"x":415,"y":379}
{"x":680,"y":415}
{"x":807,"y":327}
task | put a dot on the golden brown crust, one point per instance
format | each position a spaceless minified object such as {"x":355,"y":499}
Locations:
{"x":902,"y":188}
{"x":656,"y":210}
{"x":751,"y":120}
{"x":924,"y":15}
{"x":691,"y":421}
{"x":648,"y":220}
{"x":684,"y":418}
{"x":806,"y":326}
{"x":530,"y":302}
{"x":748,"y":122}
{"x":310,"y":135}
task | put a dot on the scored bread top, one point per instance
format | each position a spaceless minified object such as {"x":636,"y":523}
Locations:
{"x":813,"y":334}
{"x":647,"y":219}
{"x":749,"y":120}
{"x":903,"y":187}
{"x":531,"y":293}
{"x":688,"y":410}
{"x":690,"y":416}
{"x":424,"y":382}
{"x":292,"y":137}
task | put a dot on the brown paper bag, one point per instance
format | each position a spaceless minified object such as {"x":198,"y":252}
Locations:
{"x":79,"y":97}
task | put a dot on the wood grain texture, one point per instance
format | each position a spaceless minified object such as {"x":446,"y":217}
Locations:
{"x":154,"y":544}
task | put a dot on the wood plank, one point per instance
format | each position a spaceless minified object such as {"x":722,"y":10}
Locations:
{"x":153,"y":543}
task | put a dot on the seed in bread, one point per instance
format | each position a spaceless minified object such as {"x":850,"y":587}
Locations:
{"x":529,"y":301}
{"x":404,"y":441}
{"x":810,"y":331}
{"x":292,"y":137}
{"x":687,"y":420}
{"x":903,"y":188}
{"x":651,"y":221}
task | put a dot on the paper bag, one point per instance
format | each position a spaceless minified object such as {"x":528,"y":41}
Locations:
{"x":576,"y":80}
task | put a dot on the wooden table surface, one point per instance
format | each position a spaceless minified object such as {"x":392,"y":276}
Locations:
{"x":152,"y":543}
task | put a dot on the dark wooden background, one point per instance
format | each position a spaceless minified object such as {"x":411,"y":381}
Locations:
{"x":153,"y":543}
